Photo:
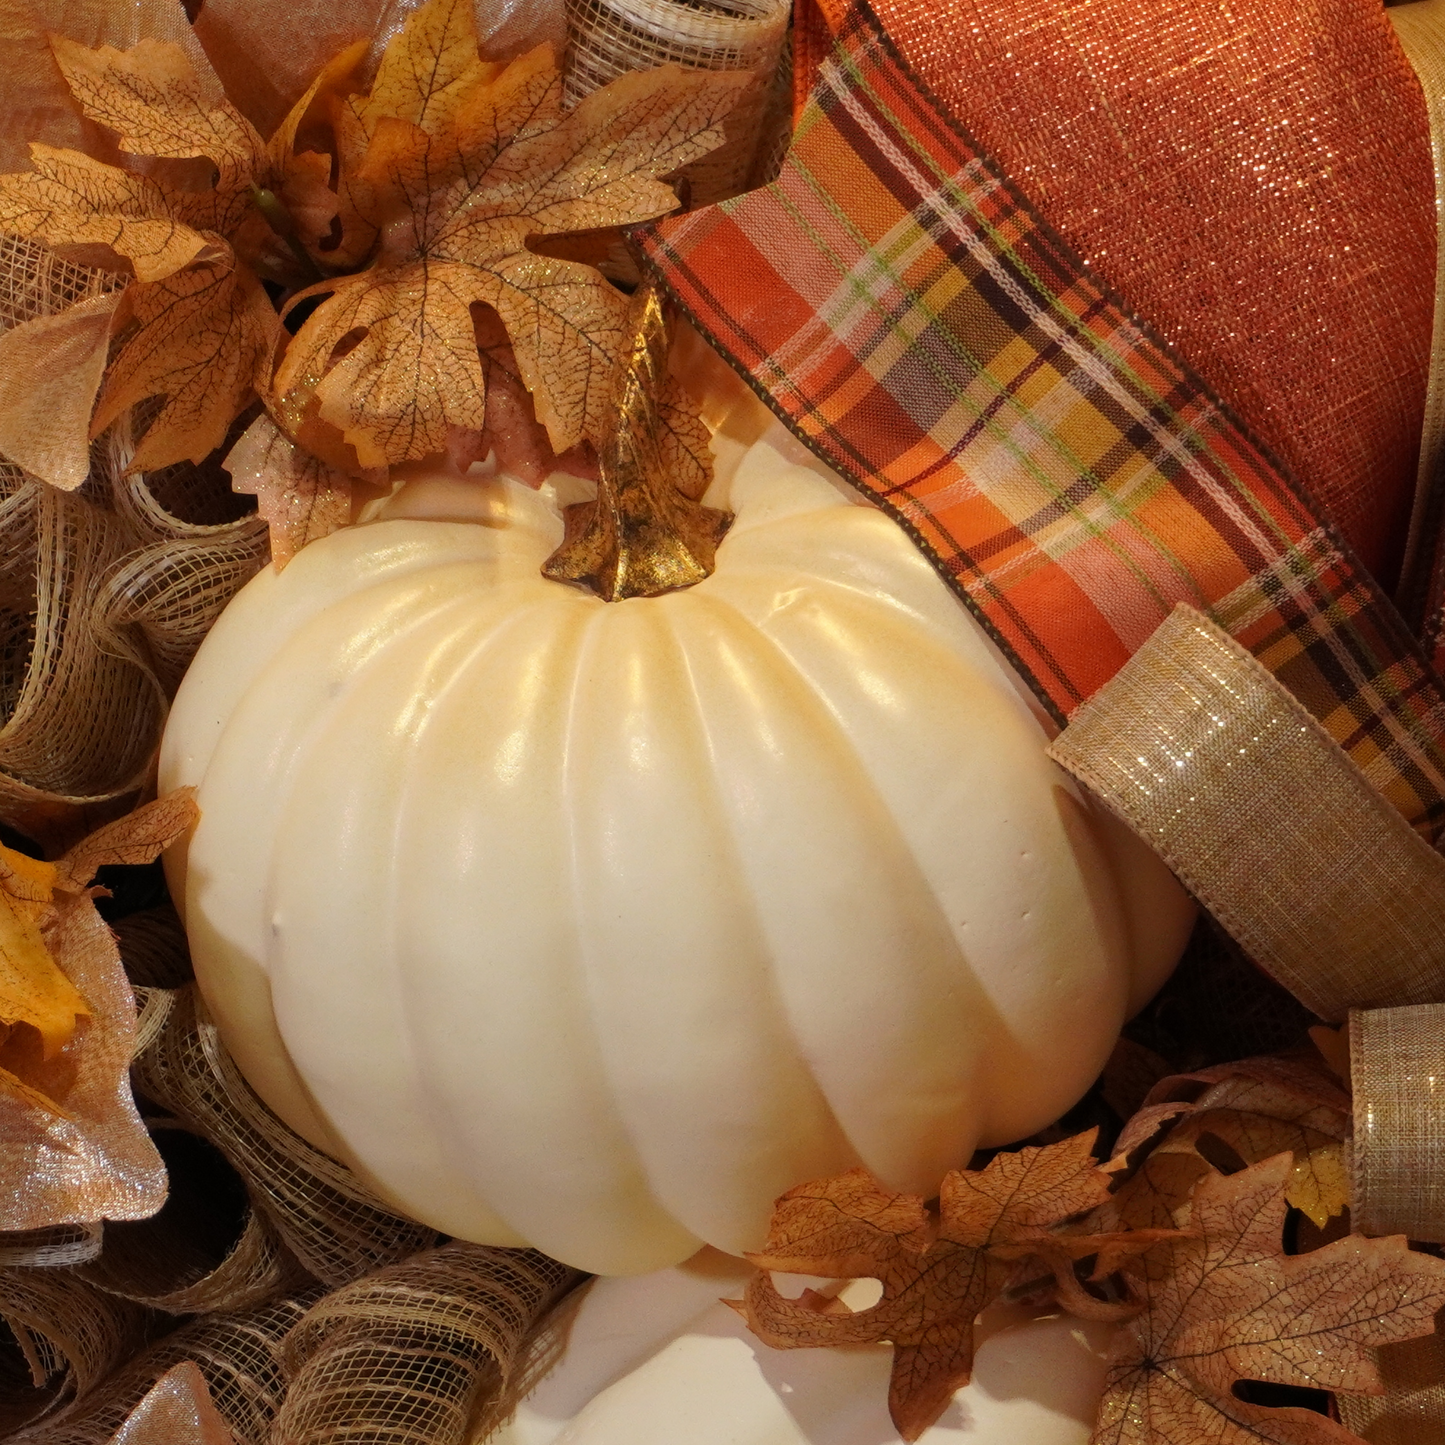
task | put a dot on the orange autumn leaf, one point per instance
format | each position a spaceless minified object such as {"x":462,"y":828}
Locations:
{"x":449,"y":166}
{"x":1223,"y":1303}
{"x":138,"y":837}
{"x":195,"y":326}
{"x":939,"y":1267}
{"x":33,"y":990}
{"x":37,"y":995}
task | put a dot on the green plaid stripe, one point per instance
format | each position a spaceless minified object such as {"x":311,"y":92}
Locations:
{"x":901,"y":305}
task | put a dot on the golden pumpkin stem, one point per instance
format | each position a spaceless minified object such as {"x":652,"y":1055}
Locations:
{"x":641,"y":536}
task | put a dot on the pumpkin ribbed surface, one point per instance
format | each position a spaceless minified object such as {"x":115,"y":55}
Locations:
{"x":598,"y":926}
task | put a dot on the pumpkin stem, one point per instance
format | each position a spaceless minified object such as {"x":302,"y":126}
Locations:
{"x":641,"y":536}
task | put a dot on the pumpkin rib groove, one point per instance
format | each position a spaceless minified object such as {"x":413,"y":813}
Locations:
{"x":671,"y":980}
{"x":703,"y":636}
{"x":950,"y":1135}
{"x":352,"y":752}
{"x":575,"y":730}
{"x":544,"y":644}
{"x":238,"y":769}
{"x":1005,"y":1026}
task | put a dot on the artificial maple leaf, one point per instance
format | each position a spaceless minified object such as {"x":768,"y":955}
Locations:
{"x":304,"y":172}
{"x":520,"y":442}
{"x":449,"y":166}
{"x":1222,"y":1303}
{"x":298,"y":495}
{"x":139,"y":837}
{"x":39,"y":1005}
{"x":938,"y":1269}
{"x":197,"y":329}
{"x":50,"y":372}
{"x":34,"y":993}
{"x":1259,"y":1108}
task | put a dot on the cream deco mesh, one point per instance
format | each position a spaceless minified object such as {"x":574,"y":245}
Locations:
{"x":328,"y":1316}
{"x":105,"y":594}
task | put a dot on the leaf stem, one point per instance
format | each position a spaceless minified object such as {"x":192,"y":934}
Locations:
{"x":283,"y":224}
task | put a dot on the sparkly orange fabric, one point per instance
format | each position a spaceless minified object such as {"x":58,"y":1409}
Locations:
{"x":1253,"y":178}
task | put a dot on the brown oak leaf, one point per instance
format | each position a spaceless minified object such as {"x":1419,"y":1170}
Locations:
{"x":299,"y":497}
{"x":939,"y":1267}
{"x":1223,"y":1303}
{"x":195,"y":326}
{"x":136,"y":838}
{"x":1258,"y":1108}
{"x":448,"y":167}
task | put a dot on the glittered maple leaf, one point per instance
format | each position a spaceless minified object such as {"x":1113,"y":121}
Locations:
{"x":939,"y":1267}
{"x":449,"y":166}
{"x":195,"y":327}
{"x":300,"y":497}
{"x":1257,"y":1108}
{"x":1223,"y":1303}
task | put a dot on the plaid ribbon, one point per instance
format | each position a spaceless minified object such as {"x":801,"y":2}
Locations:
{"x":901,"y":305}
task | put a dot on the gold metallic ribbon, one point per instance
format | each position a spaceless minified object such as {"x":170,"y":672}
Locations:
{"x":1265,"y":820}
{"x":1397,"y":1067}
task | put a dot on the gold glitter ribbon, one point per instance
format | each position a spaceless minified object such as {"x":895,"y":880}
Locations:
{"x":1397,"y":1067}
{"x":1265,"y":820}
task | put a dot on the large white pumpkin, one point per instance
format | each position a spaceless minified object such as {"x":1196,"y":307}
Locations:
{"x":597,"y":926}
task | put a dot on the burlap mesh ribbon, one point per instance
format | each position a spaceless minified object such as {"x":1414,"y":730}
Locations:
{"x":424,"y":1350}
{"x":105,"y":594}
{"x":1265,"y":819}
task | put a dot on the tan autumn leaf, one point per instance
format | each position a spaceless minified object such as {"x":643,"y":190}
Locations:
{"x":202,"y":339}
{"x":1334,"y":1049}
{"x":449,"y":172}
{"x":68,"y":199}
{"x":300,"y":498}
{"x":50,"y":372}
{"x":195,"y":326}
{"x":685,"y":443}
{"x":139,"y":837}
{"x":153,"y":100}
{"x":304,"y":173}
{"x":1259,"y":1108}
{"x":1129,"y":1074}
{"x":1225,"y":1304}
{"x":1159,"y":1194}
{"x":938,"y":1269}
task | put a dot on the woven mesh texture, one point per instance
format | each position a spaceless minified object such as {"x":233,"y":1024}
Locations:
{"x":64,"y":1338}
{"x":239,"y":1354}
{"x":329,"y":1220}
{"x":610,"y":37}
{"x":105,"y":594}
{"x":417,"y":1354}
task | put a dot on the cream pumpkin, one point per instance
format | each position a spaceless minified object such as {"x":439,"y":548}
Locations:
{"x":597,"y":926}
